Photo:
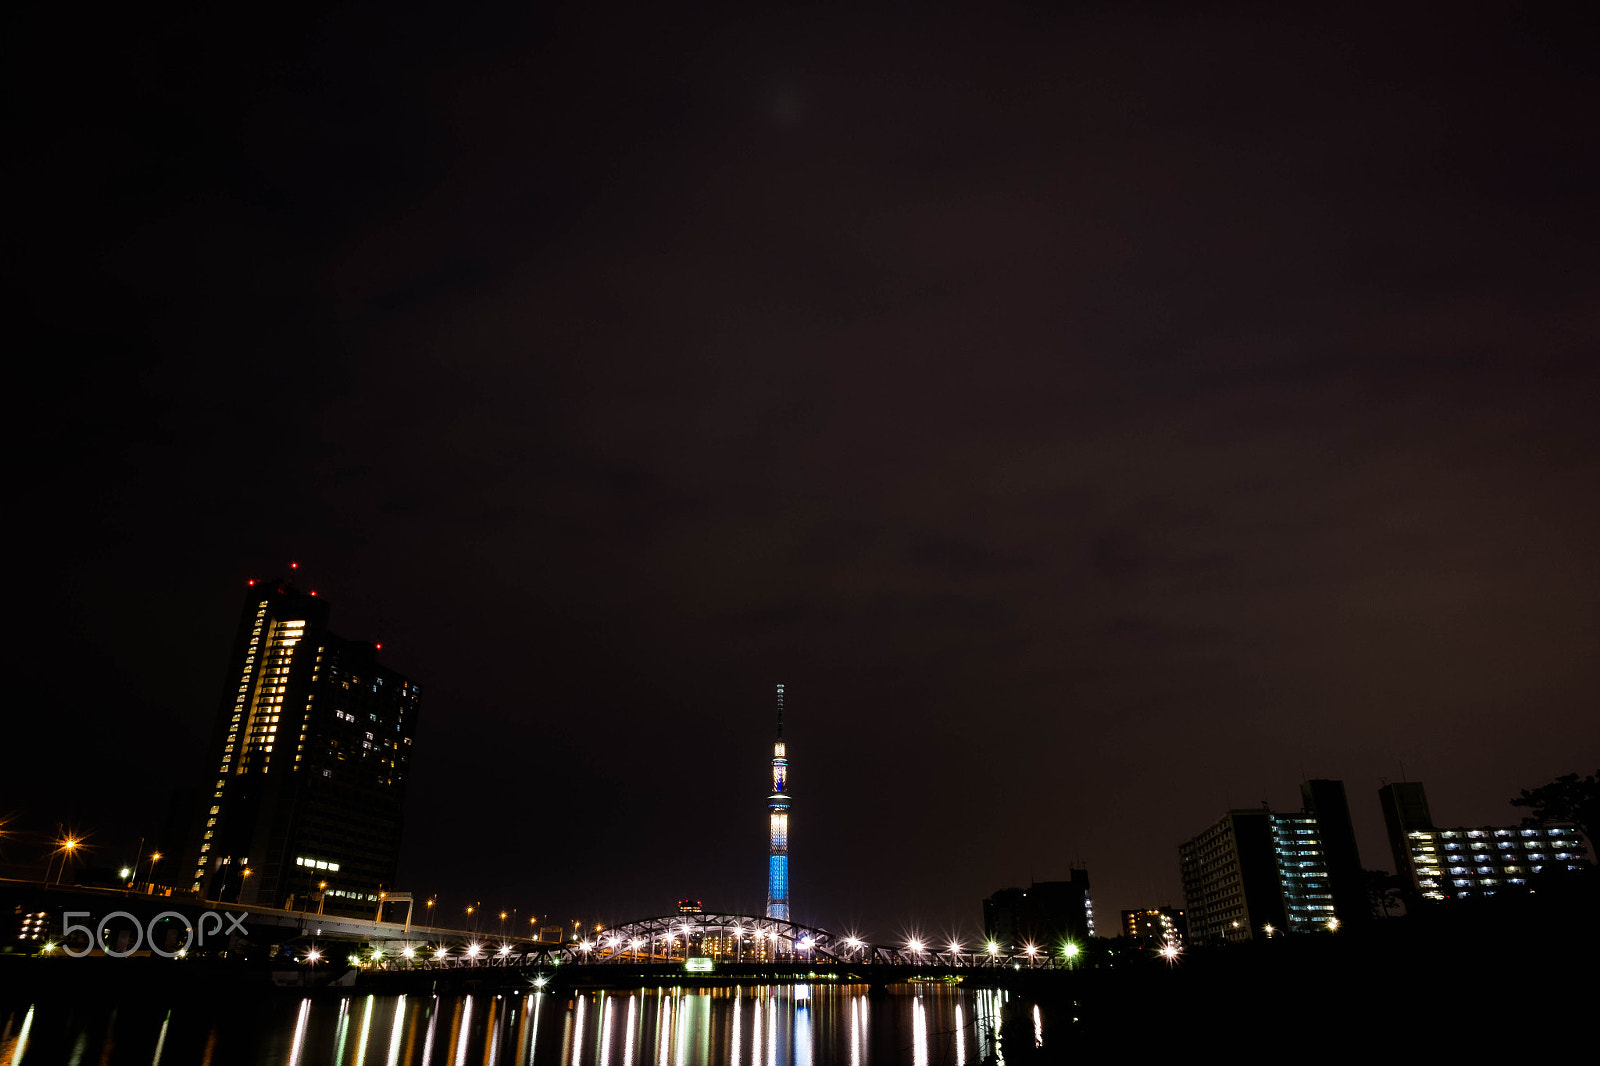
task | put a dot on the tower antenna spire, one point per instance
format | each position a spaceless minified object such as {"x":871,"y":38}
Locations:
{"x":780,"y":711}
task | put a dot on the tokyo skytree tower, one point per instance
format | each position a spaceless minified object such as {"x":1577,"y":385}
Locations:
{"x":778,"y":831}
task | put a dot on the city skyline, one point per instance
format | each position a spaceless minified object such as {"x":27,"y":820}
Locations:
{"x":310,"y":611}
{"x":1102,"y":419}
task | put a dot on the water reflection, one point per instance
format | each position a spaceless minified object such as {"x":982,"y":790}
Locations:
{"x":767,"y":1025}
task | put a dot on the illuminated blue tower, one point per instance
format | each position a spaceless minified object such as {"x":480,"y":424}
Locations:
{"x":778,"y":838}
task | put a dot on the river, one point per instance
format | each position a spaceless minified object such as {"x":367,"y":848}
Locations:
{"x":932,"y":1024}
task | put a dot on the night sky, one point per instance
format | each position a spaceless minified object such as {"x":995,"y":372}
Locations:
{"x":1096,"y":415}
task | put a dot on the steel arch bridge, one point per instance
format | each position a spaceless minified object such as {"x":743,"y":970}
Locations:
{"x":724,"y":937}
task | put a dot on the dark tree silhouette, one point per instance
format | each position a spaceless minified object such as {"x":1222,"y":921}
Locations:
{"x":1385,"y":890}
{"x":1568,"y":798}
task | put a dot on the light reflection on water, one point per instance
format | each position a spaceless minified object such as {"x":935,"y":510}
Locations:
{"x":765,"y":1025}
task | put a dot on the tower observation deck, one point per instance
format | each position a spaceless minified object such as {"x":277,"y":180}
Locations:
{"x":778,"y":827}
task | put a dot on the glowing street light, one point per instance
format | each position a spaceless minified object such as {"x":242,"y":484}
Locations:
{"x":441,"y":953}
{"x":955,"y":947}
{"x":915,"y":946}
{"x":994,"y":949}
{"x":474,"y":950}
{"x":1170,"y":953}
{"x":64,"y":848}
{"x":313,"y":956}
{"x":1069,"y":950}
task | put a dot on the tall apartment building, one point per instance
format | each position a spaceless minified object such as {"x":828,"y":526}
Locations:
{"x":309,"y":763}
{"x":1464,"y":862}
{"x":1258,"y":870}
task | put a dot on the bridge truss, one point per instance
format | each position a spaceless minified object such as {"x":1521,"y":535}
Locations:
{"x":724,"y":938}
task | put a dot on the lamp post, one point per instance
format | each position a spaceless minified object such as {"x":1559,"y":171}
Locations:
{"x":150,"y":881}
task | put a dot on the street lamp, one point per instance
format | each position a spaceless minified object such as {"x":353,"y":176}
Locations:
{"x":65,"y":849}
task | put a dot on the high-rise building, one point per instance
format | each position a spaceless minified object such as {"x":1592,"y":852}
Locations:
{"x":1258,"y":872}
{"x":1230,"y":879}
{"x":1045,"y":914}
{"x":1466,"y":862}
{"x":310,"y":758}
{"x":778,"y":826}
{"x":1347,"y":881}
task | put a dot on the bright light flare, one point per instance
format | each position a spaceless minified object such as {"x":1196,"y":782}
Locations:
{"x":1170,"y":952}
{"x":916,"y":946}
{"x":1070,"y":950}
{"x":1031,"y":949}
{"x":313,"y":956}
{"x":994,"y":949}
{"x":441,"y":953}
{"x":955,"y":947}
{"x":410,"y":953}
{"x":474,"y":950}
